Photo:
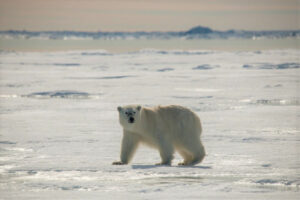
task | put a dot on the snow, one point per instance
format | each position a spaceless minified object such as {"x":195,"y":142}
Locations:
{"x":60,"y":132}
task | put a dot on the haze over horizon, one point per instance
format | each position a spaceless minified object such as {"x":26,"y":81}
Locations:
{"x":139,"y":15}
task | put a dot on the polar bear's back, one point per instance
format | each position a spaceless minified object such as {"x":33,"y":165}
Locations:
{"x":179,"y":120}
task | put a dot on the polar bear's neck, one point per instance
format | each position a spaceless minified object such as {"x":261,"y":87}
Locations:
{"x":147,"y":119}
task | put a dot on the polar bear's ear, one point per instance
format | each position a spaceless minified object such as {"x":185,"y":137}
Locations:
{"x":119,"y":108}
{"x":139,"y":108}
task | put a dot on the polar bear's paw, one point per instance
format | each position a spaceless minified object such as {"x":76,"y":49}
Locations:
{"x":163,"y":164}
{"x":118,"y":163}
{"x":185,"y":164}
{"x":182,"y":164}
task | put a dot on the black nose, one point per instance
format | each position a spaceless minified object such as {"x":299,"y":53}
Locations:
{"x":131,"y":119}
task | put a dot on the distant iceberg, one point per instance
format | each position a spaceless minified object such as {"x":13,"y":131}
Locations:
{"x":198,"y":32}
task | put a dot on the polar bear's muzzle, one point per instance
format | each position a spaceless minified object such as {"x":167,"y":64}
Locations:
{"x":131,"y":120}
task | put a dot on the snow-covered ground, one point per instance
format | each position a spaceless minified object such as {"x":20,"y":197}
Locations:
{"x":60,"y":133}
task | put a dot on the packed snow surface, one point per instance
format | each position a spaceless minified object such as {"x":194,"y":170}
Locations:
{"x":60,"y":132}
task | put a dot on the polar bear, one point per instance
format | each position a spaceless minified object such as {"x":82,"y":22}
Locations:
{"x":166,"y":128}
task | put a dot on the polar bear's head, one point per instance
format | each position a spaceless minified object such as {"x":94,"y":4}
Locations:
{"x":129,"y":116}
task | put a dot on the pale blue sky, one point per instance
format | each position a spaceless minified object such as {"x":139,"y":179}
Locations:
{"x":148,"y":15}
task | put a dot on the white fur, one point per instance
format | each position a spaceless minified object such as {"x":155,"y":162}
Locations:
{"x":166,"y":128}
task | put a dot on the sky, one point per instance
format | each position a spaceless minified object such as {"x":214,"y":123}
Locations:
{"x":148,"y":15}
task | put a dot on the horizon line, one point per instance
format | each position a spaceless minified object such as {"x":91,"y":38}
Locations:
{"x":154,"y":31}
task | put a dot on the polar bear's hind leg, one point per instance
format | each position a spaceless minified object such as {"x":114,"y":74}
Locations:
{"x":166,"y":151}
{"x":193,"y":153}
{"x":198,"y":155}
{"x":187,"y":157}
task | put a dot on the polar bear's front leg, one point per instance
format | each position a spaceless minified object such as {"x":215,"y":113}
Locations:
{"x":129,"y":146}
